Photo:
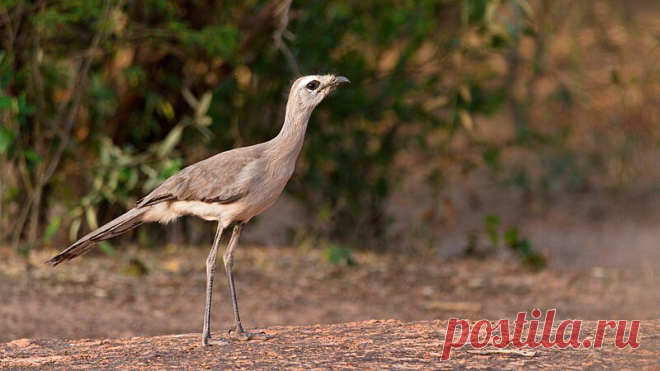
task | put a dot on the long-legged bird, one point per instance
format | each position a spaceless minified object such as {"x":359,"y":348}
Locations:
{"x":230,"y":188}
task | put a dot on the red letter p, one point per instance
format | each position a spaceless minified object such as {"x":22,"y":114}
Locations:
{"x":449,"y":337}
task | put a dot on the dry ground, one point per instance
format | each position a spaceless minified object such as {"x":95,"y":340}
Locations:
{"x":101,"y":297}
{"x":372,"y":345}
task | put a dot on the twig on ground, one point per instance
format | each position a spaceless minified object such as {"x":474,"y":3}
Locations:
{"x":485,"y":352}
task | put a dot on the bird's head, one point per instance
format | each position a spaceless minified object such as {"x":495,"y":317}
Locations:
{"x":308,"y":91}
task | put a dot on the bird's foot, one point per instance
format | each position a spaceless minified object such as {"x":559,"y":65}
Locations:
{"x":208,"y":341}
{"x":242,"y":335}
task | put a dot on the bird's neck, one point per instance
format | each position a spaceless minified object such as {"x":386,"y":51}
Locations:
{"x":288,"y":143}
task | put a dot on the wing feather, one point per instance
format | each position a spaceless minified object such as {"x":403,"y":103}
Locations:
{"x":224,"y":178}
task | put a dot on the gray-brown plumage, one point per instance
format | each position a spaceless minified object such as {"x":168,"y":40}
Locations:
{"x":230,"y":187}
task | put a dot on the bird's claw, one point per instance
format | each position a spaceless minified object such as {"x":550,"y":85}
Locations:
{"x":209,"y":341}
{"x":242,"y":335}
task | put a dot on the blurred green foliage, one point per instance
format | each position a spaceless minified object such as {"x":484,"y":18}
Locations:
{"x":101,"y":100}
{"x":339,"y":255}
{"x":511,"y":238}
{"x":523,"y":247}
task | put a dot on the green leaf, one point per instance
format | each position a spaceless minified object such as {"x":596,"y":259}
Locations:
{"x":492,"y":157}
{"x":52,"y":229}
{"x":338,"y":255}
{"x":167,"y":110}
{"x":75,"y":227}
{"x":204,"y":104}
{"x":6,"y":139}
{"x":7,"y":103}
{"x":525,"y":247}
{"x":190,"y":98}
{"x":90,"y":216}
{"x":536,"y":261}
{"x":32,"y":157}
{"x":107,"y":248}
{"x":204,"y":121}
{"x":173,"y":138}
{"x":511,"y":237}
{"x":492,"y":229}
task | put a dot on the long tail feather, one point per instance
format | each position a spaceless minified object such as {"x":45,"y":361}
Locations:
{"x":127,"y":221}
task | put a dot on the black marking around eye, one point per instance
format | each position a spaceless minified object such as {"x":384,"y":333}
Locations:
{"x":312,"y":85}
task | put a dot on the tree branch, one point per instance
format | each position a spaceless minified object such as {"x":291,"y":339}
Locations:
{"x":283,"y":12}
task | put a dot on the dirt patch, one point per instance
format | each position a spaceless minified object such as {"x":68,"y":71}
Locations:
{"x":100,"y":297}
{"x":366,"y":345}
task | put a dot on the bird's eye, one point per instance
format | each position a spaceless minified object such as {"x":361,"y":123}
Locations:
{"x":312,"y":85}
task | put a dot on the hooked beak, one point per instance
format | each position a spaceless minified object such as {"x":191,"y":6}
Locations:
{"x":338,"y":80}
{"x":341,"y":80}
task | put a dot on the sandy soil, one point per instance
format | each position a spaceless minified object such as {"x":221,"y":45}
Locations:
{"x":374,"y":345}
{"x":101,"y":297}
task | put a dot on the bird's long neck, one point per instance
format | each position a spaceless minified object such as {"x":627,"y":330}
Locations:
{"x":288,"y":143}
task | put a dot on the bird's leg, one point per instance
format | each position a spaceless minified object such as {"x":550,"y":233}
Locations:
{"x":237,"y":331}
{"x":211,"y":266}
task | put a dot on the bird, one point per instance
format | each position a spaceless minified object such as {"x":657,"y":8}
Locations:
{"x":229,"y":188}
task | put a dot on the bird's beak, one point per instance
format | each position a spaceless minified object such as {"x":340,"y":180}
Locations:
{"x":341,"y":80}
{"x":338,"y":80}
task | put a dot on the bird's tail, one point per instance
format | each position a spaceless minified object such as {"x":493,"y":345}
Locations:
{"x":127,"y":221}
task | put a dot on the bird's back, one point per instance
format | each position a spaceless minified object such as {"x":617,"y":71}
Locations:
{"x":233,"y":185}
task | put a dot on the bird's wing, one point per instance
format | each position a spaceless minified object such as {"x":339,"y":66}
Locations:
{"x":223,"y":178}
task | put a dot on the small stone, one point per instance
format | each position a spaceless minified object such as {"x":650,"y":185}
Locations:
{"x":21,"y":343}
